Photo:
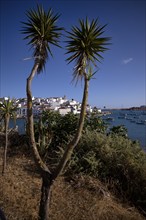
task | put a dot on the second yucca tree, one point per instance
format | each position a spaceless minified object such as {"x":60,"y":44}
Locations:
{"x":7,"y":110}
{"x":85,"y":45}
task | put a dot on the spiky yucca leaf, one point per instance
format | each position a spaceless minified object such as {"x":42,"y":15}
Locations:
{"x":41,"y":31}
{"x":85,"y":44}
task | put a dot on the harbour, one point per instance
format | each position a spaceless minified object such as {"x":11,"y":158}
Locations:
{"x":134,"y":121}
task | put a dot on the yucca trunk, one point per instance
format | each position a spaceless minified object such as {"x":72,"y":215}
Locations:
{"x":7,"y":118}
{"x":30,"y":121}
{"x":45,"y":196}
{"x":74,"y":142}
{"x":44,"y":171}
{"x":47,"y":178}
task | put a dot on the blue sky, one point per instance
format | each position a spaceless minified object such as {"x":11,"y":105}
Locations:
{"x":120,"y":81}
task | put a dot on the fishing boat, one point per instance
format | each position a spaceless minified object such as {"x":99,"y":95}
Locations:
{"x":141,"y":122}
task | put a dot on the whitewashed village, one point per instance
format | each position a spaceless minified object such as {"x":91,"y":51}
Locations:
{"x":60,"y":104}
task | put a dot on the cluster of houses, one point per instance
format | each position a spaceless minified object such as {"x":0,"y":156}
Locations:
{"x":60,"y":104}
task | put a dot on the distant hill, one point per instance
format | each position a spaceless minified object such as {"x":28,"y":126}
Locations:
{"x":142,"y":108}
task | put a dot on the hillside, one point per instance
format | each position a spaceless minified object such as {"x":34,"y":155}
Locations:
{"x":84,"y":198}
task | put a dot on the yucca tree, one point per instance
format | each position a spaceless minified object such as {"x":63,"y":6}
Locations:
{"x":42,"y":32}
{"x":7,"y":109}
{"x":85,"y":45}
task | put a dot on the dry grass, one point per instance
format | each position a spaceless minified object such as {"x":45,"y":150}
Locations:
{"x":85,"y":199}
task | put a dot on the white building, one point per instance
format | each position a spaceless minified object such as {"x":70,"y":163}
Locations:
{"x":60,"y":104}
{"x":64,"y":110}
{"x":22,"y":111}
{"x":89,"y":109}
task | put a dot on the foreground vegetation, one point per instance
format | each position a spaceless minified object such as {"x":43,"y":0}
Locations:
{"x":75,"y":195}
{"x":83,"y":197}
{"x":112,"y":158}
{"x":105,"y":179}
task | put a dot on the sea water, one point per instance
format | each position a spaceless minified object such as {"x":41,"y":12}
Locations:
{"x":20,"y":123}
{"x":132,"y":120}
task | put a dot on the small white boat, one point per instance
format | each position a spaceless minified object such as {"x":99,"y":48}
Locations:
{"x":141,"y":122}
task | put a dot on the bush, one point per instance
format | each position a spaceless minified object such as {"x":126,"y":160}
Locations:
{"x":112,"y":158}
{"x":117,"y":161}
{"x":57,"y":130}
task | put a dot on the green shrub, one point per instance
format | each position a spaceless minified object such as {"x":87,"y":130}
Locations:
{"x":113,"y":158}
{"x":117,"y":161}
{"x":120,"y":130}
{"x":57,"y":130}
